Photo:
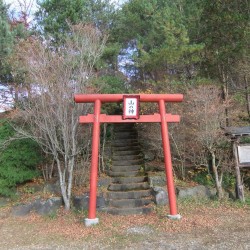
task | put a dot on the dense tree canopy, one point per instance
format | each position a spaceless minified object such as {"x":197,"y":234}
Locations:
{"x":6,"y":40}
{"x":225,"y":30}
{"x":157,"y":30}
{"x":55,"y":16}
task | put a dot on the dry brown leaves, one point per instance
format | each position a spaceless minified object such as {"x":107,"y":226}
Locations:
{"x":71,"y":226}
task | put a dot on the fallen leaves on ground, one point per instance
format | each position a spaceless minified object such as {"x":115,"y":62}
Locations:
{"x":70,"y":225}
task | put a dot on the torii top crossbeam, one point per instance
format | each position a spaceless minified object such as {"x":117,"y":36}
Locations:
{"x":88,"y":98}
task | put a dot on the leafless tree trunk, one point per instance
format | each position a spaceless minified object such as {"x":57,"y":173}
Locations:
{"x":206,"y":114}
{"x":247,"y":95}
{"x":218,"y":179}
{"x":50,"y":115}
{"x":239,"y":182}
{"x":225,"y":88}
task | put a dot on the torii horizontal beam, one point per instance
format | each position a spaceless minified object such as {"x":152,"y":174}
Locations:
{"x":118,"y":118}
{"x":88,"y":98}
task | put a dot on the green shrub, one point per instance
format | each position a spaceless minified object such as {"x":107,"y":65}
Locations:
{"x":18,"y":160}
{"x":229,"y":181}
{"x":245,"y":139}
{"x":111,"y":84}
{"x":204,"y":178}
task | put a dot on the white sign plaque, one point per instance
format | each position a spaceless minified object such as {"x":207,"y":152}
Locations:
{"x":131,"y":107}
{"x":244,"y":154}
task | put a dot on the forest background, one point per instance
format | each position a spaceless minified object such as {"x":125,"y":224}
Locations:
{"x":199,"y":48}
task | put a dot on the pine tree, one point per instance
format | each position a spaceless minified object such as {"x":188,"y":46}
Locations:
{"x":55,"y":16}
{"x":157,"y":29}
{"x":6,"y":41}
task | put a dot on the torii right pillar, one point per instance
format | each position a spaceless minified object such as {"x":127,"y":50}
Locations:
{"x":168,"y":163}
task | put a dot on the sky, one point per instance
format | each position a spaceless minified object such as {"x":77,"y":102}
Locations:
{"x":15,"y":4}
{"x":15,"y":7}
{"x":12,"y":2}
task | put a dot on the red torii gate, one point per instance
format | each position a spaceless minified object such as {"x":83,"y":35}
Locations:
{"x":98,"y":118}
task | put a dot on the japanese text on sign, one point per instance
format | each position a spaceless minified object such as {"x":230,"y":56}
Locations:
{"x":131,"y":107}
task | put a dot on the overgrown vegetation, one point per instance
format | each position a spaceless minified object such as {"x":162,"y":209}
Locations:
{"x":19,"y":160}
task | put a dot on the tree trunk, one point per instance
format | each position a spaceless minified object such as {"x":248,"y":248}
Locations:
{"x":247,"y":95}
{"x":63,"y":186}
{"x":239,"y":186}
{"x":218,"y":182}
{"x":70,"y":181}
{"x":224,"y":80}
{"x":16,"y":95}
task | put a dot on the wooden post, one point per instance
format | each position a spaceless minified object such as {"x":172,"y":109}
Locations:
{"x":239,"y":186}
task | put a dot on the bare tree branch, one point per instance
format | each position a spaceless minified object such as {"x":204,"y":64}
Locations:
{"x":50,"y":115}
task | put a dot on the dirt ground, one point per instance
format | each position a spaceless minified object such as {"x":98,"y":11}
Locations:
{"x":204,"y":225}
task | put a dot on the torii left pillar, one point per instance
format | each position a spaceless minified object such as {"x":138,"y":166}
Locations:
{"x":92,"y":220}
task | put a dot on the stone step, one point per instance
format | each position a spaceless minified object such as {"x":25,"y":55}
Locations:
{"x":119,"y":195}
{"x":122,"y":138}
{"x":129,"y":140}
{"x":127,"y":162}
{"x":128,"y":186}
{"x":124,"y":126}
{"x":127,"y":157}
{"x":117,"y":149}
{"x":122,"y":180}
{"x":131,"y":137}
{"x":128,"y":168}
{"x":130,"y":202}
{"x":126,"y":152}
{"x":127,"y":211}
{"x":124,"y":130}
{"x":129,"y":191}
{"x":125,"y":144}
{"x":124,"y":174}
{"x":125,"y":135}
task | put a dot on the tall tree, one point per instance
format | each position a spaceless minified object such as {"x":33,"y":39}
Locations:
{"x":157,"y":31}
{"x":50,"y":116}
{"x":14,"y":30}
{"x":224,"y":30}
{"x":205,"y":115}
{"x":54,"y":16}
{"x":6,"y":41}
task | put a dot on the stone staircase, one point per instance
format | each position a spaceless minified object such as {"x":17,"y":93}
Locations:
{"x":129,"y":191}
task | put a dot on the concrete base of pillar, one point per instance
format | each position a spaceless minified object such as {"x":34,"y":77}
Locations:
{"x":174,"y":217}
{"x":90,"y":222}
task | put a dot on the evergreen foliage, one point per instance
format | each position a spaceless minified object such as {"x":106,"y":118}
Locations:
{"x":54,"y":16}
{"x":6,"y":40}
{"x":111,"y":84}
{"x":6,"y":37}
{"x":11,"y":33}
{"x":18,"y":160}
{"x":158,"y":29}
{"x":225,"y":30}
